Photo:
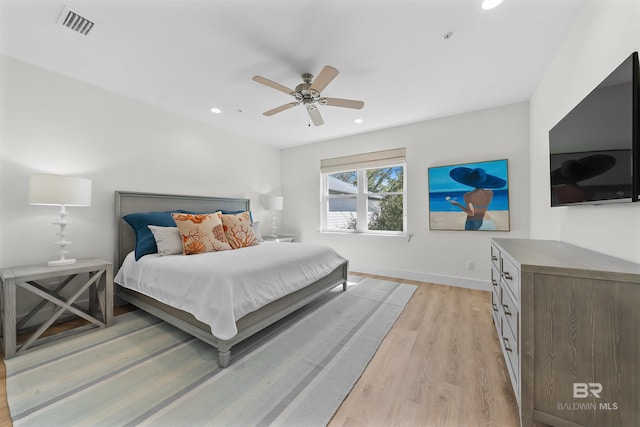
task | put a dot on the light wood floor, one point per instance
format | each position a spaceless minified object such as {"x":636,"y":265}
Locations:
{"x":440,"y":365}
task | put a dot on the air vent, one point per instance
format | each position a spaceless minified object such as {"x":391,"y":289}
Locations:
{"x":75,"y":21}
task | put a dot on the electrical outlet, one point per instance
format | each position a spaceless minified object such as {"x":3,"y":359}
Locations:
{"x":471,"y":265}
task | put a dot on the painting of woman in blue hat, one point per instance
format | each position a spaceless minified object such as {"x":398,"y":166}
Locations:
{"x":477,"y":201}
{"x":472,"y":189}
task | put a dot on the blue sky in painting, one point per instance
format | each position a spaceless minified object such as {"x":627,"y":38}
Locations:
{"x":440,"y":180}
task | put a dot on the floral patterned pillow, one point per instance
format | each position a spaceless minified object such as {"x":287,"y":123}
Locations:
{"x":238,"y":230}
{"x":201,"y":232}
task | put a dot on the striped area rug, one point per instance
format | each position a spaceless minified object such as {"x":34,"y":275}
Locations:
{"x":142,"y":371}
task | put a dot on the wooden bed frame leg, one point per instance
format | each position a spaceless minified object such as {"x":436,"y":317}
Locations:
{"x":224,"y":357}
{"x":344,"y":285}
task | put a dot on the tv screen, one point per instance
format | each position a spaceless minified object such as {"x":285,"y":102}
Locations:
{"x":592,"y":148}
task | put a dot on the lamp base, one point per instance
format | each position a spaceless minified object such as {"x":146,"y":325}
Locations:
{"x":274,"y":228}
{"x":59,"y":262}
{"x":63,"y":242}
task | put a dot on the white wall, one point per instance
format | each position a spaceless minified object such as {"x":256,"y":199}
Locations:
{"x":437,"y":256}
{"x":53,"y":124}
{"x":604,"y":34}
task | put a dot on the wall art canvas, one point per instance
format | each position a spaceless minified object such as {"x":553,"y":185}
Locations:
{"x":469,"y":196}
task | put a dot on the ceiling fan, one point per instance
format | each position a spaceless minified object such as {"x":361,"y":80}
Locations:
{"x":308,"y":94}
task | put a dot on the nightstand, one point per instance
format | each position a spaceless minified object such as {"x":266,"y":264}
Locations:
{"x":99,"y":285}
{"x":279,"y":238}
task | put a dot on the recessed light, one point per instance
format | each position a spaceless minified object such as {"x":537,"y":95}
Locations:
{"x":358,"y":121}
{"x":215,"y":110}
{"x":490,"y":4}
{"x":448,"y":35}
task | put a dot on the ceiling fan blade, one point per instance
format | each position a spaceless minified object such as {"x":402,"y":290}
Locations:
{"x":315,"y":115}
{"x":280,"y":108}
{"x":272,"y":84}
{"x":327,"y":74}
{"x":339,"y":102}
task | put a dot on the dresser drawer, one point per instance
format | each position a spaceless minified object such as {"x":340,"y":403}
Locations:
{"x":510,"y":346}
{"x":495,"y":279}
{"x":511,"y":277}
{"x":495,"y":257}
{"x":511,"y":315}
{"x":495,"y":310}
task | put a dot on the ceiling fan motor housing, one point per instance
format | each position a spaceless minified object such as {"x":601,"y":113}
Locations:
{"x":303,"y":94}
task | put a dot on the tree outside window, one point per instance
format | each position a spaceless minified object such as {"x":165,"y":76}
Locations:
{"x":386,"y":202}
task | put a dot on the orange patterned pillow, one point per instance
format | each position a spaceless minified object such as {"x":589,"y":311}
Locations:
{"x":238,"y":230}
{"x":201,"y":232}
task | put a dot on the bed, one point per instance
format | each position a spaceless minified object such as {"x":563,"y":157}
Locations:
{"x":247,"y":324}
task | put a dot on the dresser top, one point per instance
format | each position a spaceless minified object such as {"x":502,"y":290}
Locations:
{"x":547,"y":255}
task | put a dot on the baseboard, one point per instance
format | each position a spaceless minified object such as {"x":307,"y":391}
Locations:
{"x":460,"y":282}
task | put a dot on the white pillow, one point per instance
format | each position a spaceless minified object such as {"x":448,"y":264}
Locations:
{"x":167,"y":239}
{"x":256,"y":230}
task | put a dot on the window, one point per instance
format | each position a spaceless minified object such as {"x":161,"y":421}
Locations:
{"x":365,"y":193}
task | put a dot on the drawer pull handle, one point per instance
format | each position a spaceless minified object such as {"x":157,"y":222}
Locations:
{"x":494,"y":282}
{"x":495,"y":307}
{"x":507,"y":275}
{"x":506,"y":309}
{"x":494,"y":258}
{"x":506,"y":344}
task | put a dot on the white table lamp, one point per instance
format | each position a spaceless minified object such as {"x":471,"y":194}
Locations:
{"x":56,"y":190}
{"x":274,"y":203}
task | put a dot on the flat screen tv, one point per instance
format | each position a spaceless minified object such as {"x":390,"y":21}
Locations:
{"x":595,"y":149}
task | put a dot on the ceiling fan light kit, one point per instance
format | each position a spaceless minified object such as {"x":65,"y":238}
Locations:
{"x":308,"y":93}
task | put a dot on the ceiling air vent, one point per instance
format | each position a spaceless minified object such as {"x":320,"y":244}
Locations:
{"x":75,"y":21}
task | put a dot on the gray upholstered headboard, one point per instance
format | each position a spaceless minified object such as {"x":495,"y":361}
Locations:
{"x":131,"y":202}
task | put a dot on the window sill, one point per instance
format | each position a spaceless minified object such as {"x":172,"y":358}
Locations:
{"x":406,"y":237}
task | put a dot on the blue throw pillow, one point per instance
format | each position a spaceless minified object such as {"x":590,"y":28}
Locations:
{"x":145,"y":243}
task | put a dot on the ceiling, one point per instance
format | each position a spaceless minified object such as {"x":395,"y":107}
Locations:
{"x":190,"y":56}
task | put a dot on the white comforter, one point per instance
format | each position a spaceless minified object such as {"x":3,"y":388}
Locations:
{"x":219,"y":288}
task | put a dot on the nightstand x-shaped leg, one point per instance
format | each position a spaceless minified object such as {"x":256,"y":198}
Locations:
{"x":64,"y":305}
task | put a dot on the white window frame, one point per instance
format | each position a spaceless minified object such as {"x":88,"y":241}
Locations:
{"x":361,"y":164}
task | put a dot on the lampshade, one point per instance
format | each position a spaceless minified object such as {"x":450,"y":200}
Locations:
{"x":59,"y":190}
{"x":275,"y":203}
